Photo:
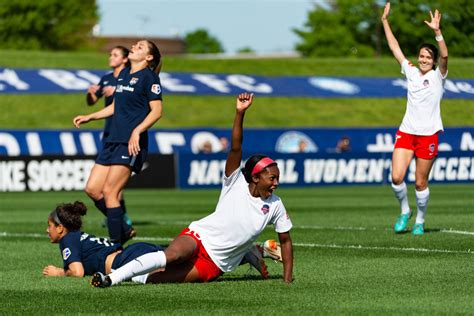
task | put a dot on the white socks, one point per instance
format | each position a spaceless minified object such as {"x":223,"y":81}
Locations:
{"x":402,"y":196}
{"x":140,"y":278}
{"x":422,"y":198}
{"x":141,"y":265}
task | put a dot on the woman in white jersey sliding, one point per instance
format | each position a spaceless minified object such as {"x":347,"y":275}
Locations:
{"x":218,"y":243}
{"x":418,"y":133}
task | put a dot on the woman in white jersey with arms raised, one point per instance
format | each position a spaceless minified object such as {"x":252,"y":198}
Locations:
{"x":418,"y":133}
{"x":218,"y":242}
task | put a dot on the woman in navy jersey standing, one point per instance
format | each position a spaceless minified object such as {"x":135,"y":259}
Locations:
{"x":136,"y":107}
{"x":118,"y":60}
{"x":84,"y":254}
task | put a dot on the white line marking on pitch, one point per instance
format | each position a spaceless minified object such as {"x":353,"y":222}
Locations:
{"x":349,"y":228}
{"x":308,"y":245}
{"x":360,"y":247}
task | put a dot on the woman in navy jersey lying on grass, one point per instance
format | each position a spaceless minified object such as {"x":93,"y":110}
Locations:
{"x":84,"y":254}
{"x":136,"y":107}
{"x":219,"y":242}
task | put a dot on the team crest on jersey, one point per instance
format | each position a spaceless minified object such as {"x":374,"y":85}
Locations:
{"x":133,"y":81}
{"x":156,"y":89}
{"x":66,"y":253}
{"x":265,"y":208}
{"x":426,"y":83}
{"x":432,"y":148}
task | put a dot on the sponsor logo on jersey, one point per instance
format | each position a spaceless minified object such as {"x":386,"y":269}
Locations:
{"x":125,"y":157}
{"x":133,"y":81}
{"x":121,"y":88}
{"x":156,"y":88}
{"x":265,"y":208}
{"x":66,"y":253}
{"x":105,"y":83}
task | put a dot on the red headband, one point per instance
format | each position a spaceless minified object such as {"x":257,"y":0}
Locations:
{"x":262,"y":164}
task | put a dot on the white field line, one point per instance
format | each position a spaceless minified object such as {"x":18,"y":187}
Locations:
{"x":306,"y":245}
{"x":349,"y":228}
{"x":360,"y":247}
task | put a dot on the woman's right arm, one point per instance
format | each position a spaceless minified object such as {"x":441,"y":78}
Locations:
{"x":105,"y":112}
{"x":234,"y":157}
{"x":392,"y":41}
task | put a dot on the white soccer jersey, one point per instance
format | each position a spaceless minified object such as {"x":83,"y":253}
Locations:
{"x":423,"y":113}
{"x":239,"y":218}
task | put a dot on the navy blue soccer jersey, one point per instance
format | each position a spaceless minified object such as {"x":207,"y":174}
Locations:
{"x":107,"y":80}
{"x":132,"y":97}
{"x":91,"y":251}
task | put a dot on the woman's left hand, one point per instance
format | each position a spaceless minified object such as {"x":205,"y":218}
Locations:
{"x":134,"y":143}
{"x":435,"y":20}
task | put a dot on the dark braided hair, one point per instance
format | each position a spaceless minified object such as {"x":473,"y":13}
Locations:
{"x":433,"y":51}
{"x":250,"y":164}
{"x":125,"y":53}
{"x":69,"y":215}
{"x":155,"y":52}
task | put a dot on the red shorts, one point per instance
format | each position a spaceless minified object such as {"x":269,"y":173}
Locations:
{"x":425,"y":147}
{"x":207,"y":269}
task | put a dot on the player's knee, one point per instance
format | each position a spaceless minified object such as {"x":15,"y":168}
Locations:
{"x":172,"y":256}
{"x":93,"y":192}
{"x":397,"y":179}
{"x":110,"y":193}
{"x":421,"y":185}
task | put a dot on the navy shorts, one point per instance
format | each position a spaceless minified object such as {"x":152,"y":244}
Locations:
{"x":132,"y":252}
{"x":117,"y":154}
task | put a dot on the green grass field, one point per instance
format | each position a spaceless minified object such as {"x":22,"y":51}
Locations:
{"x":347,"y":259}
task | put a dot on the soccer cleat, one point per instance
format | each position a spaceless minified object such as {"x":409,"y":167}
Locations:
{"x":100,"y":280}
{"x":127,"y":219}
{"x":402,"y":222}
{"x":271,"y":249}
{"x":418,"y":229}
{"x":255,"y":259}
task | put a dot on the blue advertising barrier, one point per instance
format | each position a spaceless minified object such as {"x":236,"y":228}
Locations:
{"x":78,"y":80}
{"x":299,"y":170}
{"x":168,"y":141}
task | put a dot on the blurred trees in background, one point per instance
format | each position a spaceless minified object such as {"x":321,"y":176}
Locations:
{"x":46,"y":24}
{"x":353,"y":27}
{"x":201,"y":42}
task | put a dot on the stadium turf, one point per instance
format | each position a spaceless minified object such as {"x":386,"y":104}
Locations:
{"x":347,"y":259}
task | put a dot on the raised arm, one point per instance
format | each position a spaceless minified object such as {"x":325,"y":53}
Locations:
{"x":434,"y":24}
{"x":392,"y":41}
{"x":244,"y":100}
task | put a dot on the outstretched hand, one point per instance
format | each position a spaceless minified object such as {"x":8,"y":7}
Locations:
{"x":435,"y":20}
{"x":386,"y":11}
{"x":244,"y":101}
